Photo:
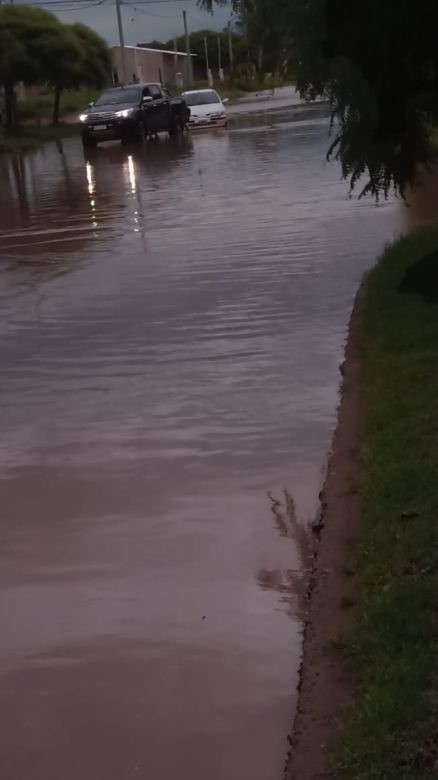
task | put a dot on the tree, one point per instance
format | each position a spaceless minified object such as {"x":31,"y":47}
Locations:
{"x":79,"y":57}
{"x":96,"y":57}
{"x":60,"y":62}
{"x":378,"y":64}
{"x":263,"y":24}
{"x":197,"y":47}
{"x":12,"y":59}
{"x":36,"y":48}
{"x":22,"y":29}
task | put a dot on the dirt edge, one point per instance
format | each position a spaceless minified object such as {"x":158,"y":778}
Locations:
{"x":325,"y":689}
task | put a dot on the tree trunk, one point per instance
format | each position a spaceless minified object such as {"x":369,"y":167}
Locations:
{"x":57,"y":98}
{"x":10,"y":107}
{"x":260,"y":54}
{"x":260,"y":58}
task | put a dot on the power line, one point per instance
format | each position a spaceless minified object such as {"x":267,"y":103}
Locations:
{"x":72,"y":3}
{"x":78,"y":7}
{"x":148,"y":13}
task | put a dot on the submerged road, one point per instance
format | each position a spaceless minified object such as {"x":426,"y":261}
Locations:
{"x":172,"y":321}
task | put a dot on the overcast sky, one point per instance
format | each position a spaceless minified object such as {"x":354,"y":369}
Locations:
{"x":142,"y":22}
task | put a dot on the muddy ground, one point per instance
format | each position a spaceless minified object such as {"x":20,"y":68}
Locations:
{"x":325,"y":689}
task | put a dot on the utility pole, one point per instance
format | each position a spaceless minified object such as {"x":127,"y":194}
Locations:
{"x":209,"y":73}
{"x":189,"y":56}
{"x":219,"y":59}
{"x":230,"y":47}
{"x":206,"y":57}
{"x":122,"y":41}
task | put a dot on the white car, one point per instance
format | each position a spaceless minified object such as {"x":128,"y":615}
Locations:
{"x":206,"y":108}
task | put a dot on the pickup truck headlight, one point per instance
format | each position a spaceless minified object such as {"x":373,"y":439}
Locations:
{"x":125,"y":113}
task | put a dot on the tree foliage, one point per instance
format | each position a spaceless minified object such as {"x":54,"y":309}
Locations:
{"x":80,"y":57}
{"x":21,"y":31}
{"x":378,"y":64}
{"x":95,"y":64}
{"x":262,"y":21}
{"x":241,"y":49}
{"x":36,"y":48}
{"x":264,"y":31}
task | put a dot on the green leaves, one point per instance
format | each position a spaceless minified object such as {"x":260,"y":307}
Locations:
{"x":95,"y":59}
{"x":21,"y":30}
{"x":378,"y":65}
{"x":35,"y":47}
{"x":375,"y":61}
{"x":265,"y":28}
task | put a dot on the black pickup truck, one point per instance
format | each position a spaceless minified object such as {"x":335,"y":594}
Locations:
{"x":133,"y":113}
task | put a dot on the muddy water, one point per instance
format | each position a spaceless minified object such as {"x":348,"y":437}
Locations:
{"x":172,"y":320}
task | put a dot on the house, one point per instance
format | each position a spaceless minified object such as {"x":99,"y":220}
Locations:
{"x":142,"y":64}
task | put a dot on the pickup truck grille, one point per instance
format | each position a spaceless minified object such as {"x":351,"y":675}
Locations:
{"x":101,"y":117}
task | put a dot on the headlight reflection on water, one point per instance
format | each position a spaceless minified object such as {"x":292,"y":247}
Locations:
{"x":131,"y":174}
{"x":90,"y":177}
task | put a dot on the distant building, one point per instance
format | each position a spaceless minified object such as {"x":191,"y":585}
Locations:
{"x":170,"y":68}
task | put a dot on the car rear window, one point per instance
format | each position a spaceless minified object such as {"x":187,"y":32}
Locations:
{"x":201,"y":98}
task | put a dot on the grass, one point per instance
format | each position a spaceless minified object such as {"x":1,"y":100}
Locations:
{"x":39,"y":108}
{"x":225,"y":89}
{"x":235,"y":89}
{"x":36,"y":114}
{"x":391,"y":734}
{"x":29,"y":137}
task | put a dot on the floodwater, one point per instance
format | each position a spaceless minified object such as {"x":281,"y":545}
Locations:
{"x":172,"y":322}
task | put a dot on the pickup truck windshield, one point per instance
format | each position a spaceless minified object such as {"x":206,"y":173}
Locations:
{"x":118,"y":96}
{"x":201,"y":98}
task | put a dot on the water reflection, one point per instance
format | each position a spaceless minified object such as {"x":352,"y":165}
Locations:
{"x":40,"y":227}
{"x":90,"y":178}
{"x":290,"y":584}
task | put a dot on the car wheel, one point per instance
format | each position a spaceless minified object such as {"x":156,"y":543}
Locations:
{"x":135,"y":136}
{"x":175,"y":128}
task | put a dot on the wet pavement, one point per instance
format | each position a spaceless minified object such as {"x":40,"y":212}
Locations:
{"x":172,"y":321}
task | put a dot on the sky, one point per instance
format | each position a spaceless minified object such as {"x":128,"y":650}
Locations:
{"x":143,"y":21}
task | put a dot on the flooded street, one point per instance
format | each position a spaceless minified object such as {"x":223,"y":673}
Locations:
{"x":172,"y":321}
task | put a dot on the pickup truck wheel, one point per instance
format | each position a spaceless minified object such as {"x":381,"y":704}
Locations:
{"x":141,"y":133}
{"x":88,"y":143}
{"x":136,"y":136}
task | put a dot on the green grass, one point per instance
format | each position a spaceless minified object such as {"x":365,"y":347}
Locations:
{"x":392,"y":732}
{"x":226,"y":89}
{"x":237,"y":88}
{"x":28,"y":137}
{"x":39,"y":108}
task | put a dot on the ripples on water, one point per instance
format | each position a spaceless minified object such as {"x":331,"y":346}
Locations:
{"x":172,"y":320}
